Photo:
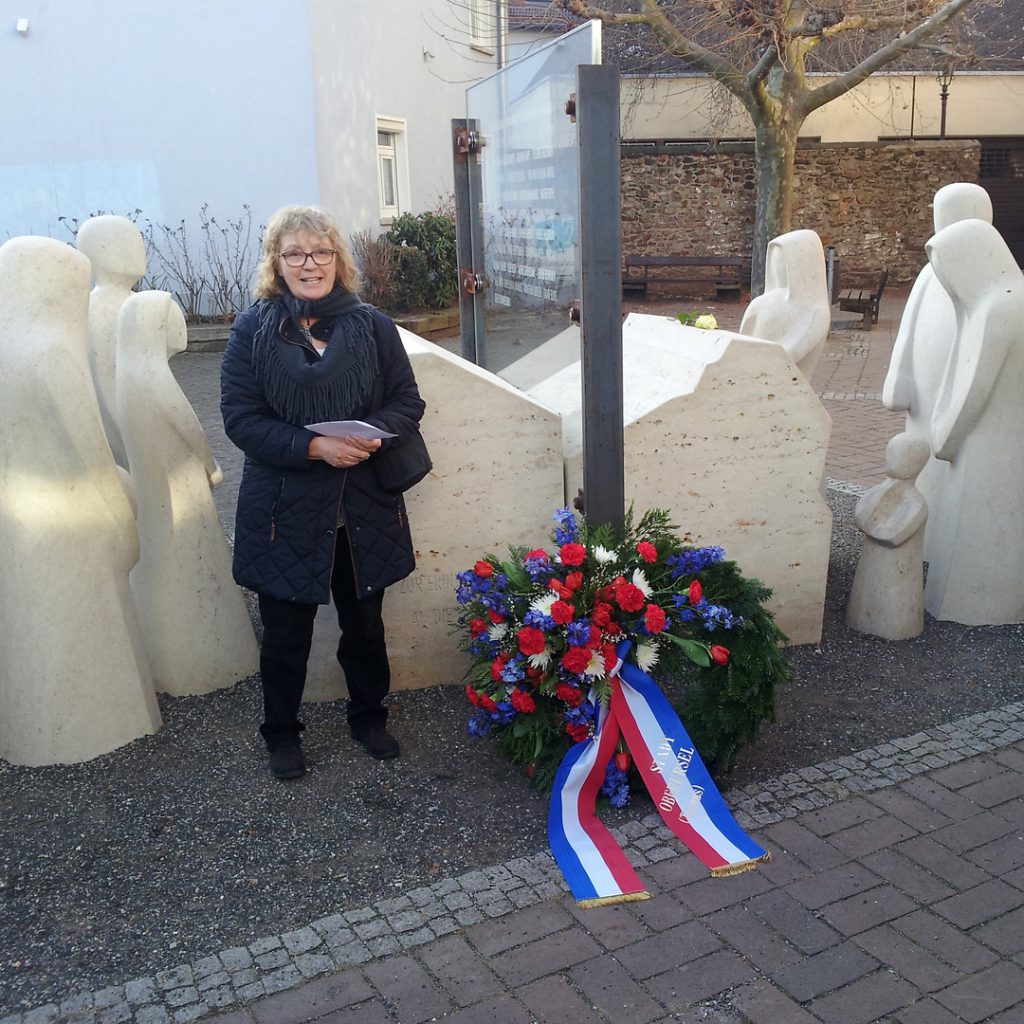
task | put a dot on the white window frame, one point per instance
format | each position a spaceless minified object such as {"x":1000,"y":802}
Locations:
{"x":398,"y":155}
{"x":481,"y":25}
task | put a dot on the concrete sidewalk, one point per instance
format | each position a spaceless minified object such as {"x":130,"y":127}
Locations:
{"x":896,"y":892}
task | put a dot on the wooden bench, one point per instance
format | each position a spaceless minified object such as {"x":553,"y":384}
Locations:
{"x":864,"y":300}
{"x":727,"y":280}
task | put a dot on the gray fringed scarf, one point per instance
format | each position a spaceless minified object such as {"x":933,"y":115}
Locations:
{"x":337,"y":385}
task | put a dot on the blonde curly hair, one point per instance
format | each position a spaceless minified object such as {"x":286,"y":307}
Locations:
{"x":292,"y":219}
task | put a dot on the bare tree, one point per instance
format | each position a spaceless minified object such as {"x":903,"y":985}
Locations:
{"x":758,"y":50}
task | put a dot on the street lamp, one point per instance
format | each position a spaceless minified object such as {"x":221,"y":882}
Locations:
{"x":945,"y":77}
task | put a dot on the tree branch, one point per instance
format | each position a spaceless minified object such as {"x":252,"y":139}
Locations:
{"x":848,"y":80}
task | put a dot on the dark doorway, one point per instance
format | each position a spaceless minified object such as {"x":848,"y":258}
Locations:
{"x":1001,"y":174}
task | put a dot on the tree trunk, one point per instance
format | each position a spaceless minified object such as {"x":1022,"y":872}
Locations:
{"x":774,"y":159}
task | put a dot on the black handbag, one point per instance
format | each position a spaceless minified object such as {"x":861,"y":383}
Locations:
{"x":403,"y":464}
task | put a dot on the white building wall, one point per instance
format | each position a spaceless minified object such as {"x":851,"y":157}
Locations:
{"x":154,"y":105}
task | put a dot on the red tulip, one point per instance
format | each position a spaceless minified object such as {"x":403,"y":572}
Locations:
{"x":719,"y":654}
{"x":623,"y":760}
{"x":696,"y":592}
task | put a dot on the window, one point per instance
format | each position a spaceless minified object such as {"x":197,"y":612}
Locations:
{"x":392,"y":168}
{"x":481,"y":28}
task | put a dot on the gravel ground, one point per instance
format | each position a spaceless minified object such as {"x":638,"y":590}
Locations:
{"x":181,"y":844}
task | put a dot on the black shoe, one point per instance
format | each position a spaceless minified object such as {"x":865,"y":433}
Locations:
{"x":287,"y":762}
{"x":379,"y":743}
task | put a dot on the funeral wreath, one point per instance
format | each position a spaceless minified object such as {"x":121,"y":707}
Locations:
{"x":543,"y":628}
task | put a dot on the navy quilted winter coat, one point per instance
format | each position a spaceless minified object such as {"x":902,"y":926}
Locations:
{"x":288,"y":504}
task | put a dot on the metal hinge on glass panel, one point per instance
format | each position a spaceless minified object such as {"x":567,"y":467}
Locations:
{"x":467,"y":142}
{"x":471,"y":282}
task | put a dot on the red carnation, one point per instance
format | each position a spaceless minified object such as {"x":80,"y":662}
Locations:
{"x":654,"y":618}
{"x":572,"y":554}
{"x":647,"y":551}
{"x":719,"y":654}
{"x":562,"y":612}
{"x":613,"y":629}
{"x":696,"y":592}
{"x":578,"y":733}
{"x":487,"y":703}
{"x":601,"y":615}
{"x":472,"y":697}
{"x":483,"y":569}
{"x":595,"y":638}
{"x":569,"y":694}
{"x":574,"y":580}
{"x":497,"y":666}
{"x":537,"y":553}
{"x":477,"y":626}
{"x":531,"y":640}
{"x":611,"y":658}
{"x":560,"y":589}
{"x":496,"y":617}
{"x":522,"y":701}
{"x":576,"y":659}
{"x":630,"y":597}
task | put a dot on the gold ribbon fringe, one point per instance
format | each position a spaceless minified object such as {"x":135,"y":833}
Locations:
{"x":741,"y":868}
{"x":607,"y":901}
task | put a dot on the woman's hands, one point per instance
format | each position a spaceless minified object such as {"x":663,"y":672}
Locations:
{"x":342,"y":452}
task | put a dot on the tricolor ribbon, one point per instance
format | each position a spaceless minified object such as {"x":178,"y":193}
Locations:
{"x":593,"y":863}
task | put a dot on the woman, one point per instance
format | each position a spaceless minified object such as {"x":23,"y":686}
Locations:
{"x":312,"y":521}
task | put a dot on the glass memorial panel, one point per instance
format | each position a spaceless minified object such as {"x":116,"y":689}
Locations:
{"x":530,"y":194}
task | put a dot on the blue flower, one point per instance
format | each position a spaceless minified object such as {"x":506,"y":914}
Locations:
{"x":504,"y":714}
{"x":566,"y":531}
{"x":479,"y":724}
{"x":616,"y":785}
{"x":545,"y":623}
{"x":582,"y":715}
{"x":691,"y":561}
{"x":718,"y":615}
{"x":578,"y":633}
{"x":538,"y":567}
{"x":513,"y":670}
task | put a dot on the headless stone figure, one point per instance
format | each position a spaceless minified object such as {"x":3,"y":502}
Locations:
{"x":794,"y":308}
{"x":887,"y":598}
{"x":195,"y":625}
{"x":117,"y":252}
{"x":923,"y":343}
{"x":74,"y":682}
{"x":976,"y":568}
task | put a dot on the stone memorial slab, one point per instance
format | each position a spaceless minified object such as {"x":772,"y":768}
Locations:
{"x":497,"y":480}
{"x":725,"y":433}
{"x":195,"y":625}
{"x":74,"y":682}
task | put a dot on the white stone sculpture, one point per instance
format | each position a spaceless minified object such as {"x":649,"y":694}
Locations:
{"x":117,"y":253}
{"x":887,"y":598}
{"x":794,"y":308}
{"x":924,"y":340}
{"x":976,"y":559}
{"x":73,"y":676}
{"x":725,"y":433}
{"x":195,"y":625}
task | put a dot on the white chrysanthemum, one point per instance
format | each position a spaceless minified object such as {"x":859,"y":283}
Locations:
{"x":497,"y":631}
{"x":543,"y":603}
{"x":541,"y":660}
{"x":640,"y":582}
{"x":596,"y":666}
{"x":646,"y":656}
{"x":603,"y":556}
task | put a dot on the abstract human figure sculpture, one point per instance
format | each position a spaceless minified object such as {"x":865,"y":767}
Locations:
{"x":976,"y":563}
{"x":73,"y":676}
{"x":887,"y":598}
{"x":195,"y":626}
{"x":794,"y":308}
{"x":924,"y":340}
{"x":117,"y":252}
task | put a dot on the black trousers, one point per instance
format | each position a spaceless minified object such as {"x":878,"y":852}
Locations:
{"x":362,"y":654}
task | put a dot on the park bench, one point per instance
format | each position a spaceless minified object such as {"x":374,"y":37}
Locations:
{"x":864,"y":300}
{"x":727,"y":280}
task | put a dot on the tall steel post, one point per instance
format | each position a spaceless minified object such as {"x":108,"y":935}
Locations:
{"x":599,"y":274}
{"x":469,"y":237}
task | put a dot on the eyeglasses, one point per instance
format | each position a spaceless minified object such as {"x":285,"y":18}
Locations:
{"x":296,"y":258}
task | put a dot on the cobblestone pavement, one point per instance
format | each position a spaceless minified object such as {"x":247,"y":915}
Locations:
{"x":896,"y":892}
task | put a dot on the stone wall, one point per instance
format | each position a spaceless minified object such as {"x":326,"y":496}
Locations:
{"x":871,"y":201}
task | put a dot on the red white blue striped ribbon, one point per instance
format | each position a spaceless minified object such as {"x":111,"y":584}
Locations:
{"x":593,"y":863}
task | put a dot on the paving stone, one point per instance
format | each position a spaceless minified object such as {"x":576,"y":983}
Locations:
{"x":839,"y":816}
{"x":794,"y":922}
{"x":371,"y":1012}
{"x":272,"y":960}
{"x":116,"y":1014}
{"x":187,"y":1014}
{"x":181,"y":996}
{"x":1000,"y":856}
{"x":140,"y":991}
{"x":793,"y":838}
{"x":927,"y":1011}
{"x":901,"y":805}
{"x":360,"y":915}
{"x":372,"y":929}
{"x":815,"y":975}
{"x":944,"y":941}
{"x":865,"y":1000}
{"x":710,"y":894}
{"x":384,"y":945}
{"x":980,"y":904}
{"x":752,"y":938}
{"x":301,"y":941}
{"x":236,"y":959}
{"x":978,"y":830}
{"x":986,"y":993}
{"x":251,"y":992}
{"x":219,"y":997}
{"x":282,"y":978}
{"x":966,"y":773}
{"x":950,"y":867}
{"x":762,"y":1003}
{"x":208,"y":981}
{"x":929,"y":792}
{"x":459,"y":969}
{"x":545,"y":956}
{"x":154,"y":1015}
{"x":667,"y":949}
{"x":996,"y":790}
{"x":661,"y":912}
{"x":611,"y":926}
{"x":502,"y":1010}
{"x":1004,"y":934}
{"x":351,"y":953}
{"x":867,"y":909}
{"x":916,"y":964}
{"x":880,"y":833}
{"x":494,"y":937}
{"x":618,"y":995}
{"x":314,"y":999}
{"x":828,"y":886}
{"x":700,"y":979}
{"x":106,"y":997}
{"x":405,"y":985}
{"x":671,"y":874}
{"x":42,"y":1014}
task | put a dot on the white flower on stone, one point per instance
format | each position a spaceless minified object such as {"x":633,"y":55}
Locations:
{"x":640,"y":582}
{"x":603,"y":556}
{"x":646,"y":656}
{"x":706,"y":322}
